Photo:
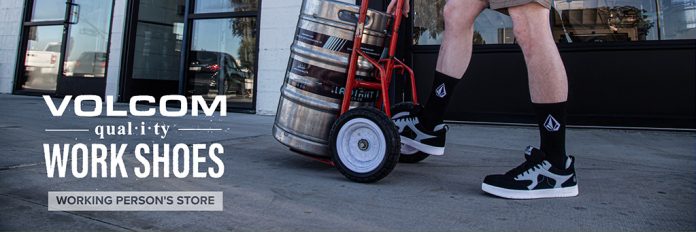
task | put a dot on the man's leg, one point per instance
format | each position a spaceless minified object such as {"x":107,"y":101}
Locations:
{"x":457,"y":39}
{"x":425,"y":131}
{"x":547,"y":172}
{"x":548,"y":84}
{"x":453,"y":58}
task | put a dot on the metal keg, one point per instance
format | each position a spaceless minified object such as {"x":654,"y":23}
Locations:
{"x":315,"y":79}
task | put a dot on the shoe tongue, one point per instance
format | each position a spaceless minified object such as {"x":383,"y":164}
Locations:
{"x":534,"y":155}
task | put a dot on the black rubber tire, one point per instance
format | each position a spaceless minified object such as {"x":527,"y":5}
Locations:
{"x":392,"y":139}
{"x":414,"y":109}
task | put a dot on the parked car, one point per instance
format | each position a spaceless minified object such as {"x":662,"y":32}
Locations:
{"x":41,"y":67}
{"x":216,"y":71}
{"x":90,"y":64}
{"x":44,"y":61}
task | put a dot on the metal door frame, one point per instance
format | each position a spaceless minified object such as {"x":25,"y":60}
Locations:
{"x":26,"y":23}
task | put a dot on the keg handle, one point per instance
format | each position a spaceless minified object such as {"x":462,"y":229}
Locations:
{"x":352,"y":17}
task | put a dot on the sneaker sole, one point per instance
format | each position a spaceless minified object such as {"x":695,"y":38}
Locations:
{"x":431,"y":150}
{"x":408,"y":150}
{"x":530,"y":194}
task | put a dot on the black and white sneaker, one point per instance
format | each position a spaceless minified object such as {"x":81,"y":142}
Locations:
{"x":414,"y":136}
{"x":535,"y":178}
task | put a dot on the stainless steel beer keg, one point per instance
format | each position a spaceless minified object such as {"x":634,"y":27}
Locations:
{"x":315,"y":79}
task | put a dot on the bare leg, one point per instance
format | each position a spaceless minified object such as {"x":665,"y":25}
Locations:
{"x":455,"y":51}
{"x":453,"y":59}
{"x":548,"y":82}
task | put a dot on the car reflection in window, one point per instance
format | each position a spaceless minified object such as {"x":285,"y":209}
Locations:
{"x":89,"y":64}
{"x":217,"y":73}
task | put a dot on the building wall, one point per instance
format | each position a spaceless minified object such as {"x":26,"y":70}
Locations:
{"x":278,"y":22}
{"x":10,"y":19}
{"x":118,"y":22}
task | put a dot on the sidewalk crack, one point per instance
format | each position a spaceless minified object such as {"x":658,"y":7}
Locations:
{"x":19,"y":166}
{"x":68,"y":212}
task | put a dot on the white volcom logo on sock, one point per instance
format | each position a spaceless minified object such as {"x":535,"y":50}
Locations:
{"x":551,"y":124}
{"x":440,"y":91}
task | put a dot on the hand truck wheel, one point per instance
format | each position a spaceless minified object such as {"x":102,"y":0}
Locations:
{"x":408,"y":153}
{"x":365,"y":144}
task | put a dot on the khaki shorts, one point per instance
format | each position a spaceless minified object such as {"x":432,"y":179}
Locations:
{"x":502,"y":5}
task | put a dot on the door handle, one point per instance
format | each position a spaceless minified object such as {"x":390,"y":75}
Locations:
{"x":73,"y":14}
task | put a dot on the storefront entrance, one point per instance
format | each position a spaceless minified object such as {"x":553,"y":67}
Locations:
{"x":64,"y":47}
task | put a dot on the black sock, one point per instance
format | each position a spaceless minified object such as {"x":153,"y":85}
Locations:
{"x":551,"y":119}
{"x":434,"y":111}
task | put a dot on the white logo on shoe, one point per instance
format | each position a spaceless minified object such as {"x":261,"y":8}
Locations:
{"x":542,"y":169}
{"x":402,"y":123}
{"x":551,"y":124}
{"x":441,"y":91}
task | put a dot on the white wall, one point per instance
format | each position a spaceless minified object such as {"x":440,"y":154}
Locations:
{"x":278,"y":22}
{"x":115,"y":48}
{"x":10,"y":19}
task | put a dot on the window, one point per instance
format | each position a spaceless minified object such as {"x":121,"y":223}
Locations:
{"x":42,"y":55}
{"x":222,"y":51}
{"x":491,"y":27}
{"x":577,"y":21}
{"x":605,"y":20}
{"x":678,"y":19}
{"x":158,"y":40}
{"x":222,"y":59}
{"x":215,"y":6}
{"x":48,"y":10}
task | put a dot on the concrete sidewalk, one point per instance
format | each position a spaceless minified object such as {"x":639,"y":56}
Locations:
{"x":628,"y":180}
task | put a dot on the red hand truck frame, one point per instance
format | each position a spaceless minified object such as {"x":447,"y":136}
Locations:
{"x":385,"y":66}
{"x":364,"y":141}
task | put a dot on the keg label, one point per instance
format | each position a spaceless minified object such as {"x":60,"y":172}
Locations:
{"x":335,"y":44}
{"x":326,"y":82}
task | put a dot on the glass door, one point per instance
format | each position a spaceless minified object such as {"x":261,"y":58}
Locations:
{"x":64,"y":47}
